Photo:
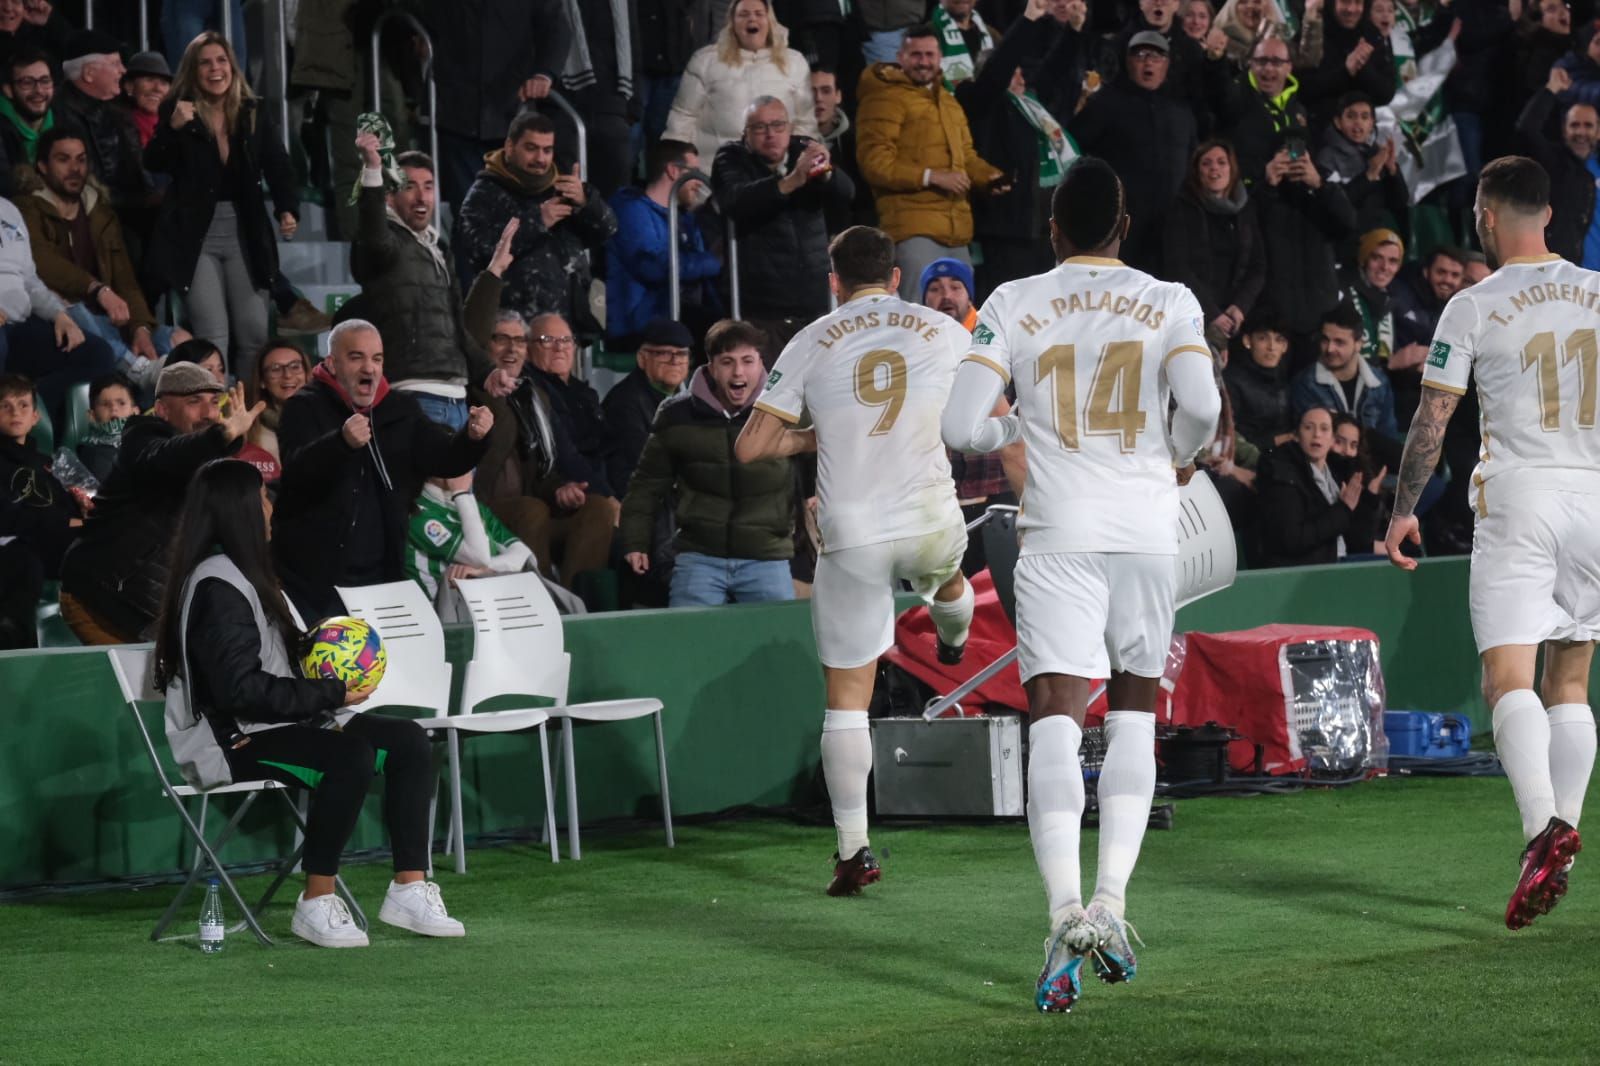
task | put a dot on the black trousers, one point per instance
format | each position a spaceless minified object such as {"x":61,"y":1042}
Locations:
{"x":21,"y":582}
{"x":338,"y":765}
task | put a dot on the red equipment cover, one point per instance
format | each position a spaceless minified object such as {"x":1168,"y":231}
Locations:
{"x":1233,"y":679}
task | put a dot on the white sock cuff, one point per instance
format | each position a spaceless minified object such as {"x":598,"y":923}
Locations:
{"x":1043,"y":729}
{"x":1515,"y":702}
{"x":1130,"y":721}
{"x":839,"y":721}
{"x":1572,"y":714}
{"x":962,"y":604}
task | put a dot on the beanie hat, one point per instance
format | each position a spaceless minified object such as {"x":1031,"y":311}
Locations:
{"x":947,"y":268}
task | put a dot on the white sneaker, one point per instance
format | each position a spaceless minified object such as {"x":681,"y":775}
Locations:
{"x":417,"y":907}
{"x":326,"y":922}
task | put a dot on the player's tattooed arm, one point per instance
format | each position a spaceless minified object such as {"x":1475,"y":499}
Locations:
{"x":1424,"y":442}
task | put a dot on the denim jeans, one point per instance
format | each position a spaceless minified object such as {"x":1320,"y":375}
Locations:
{"x":452,"y":414}
{"x":98,"y":325}
{"x":707,"y":581}
{"x":184,"y":20}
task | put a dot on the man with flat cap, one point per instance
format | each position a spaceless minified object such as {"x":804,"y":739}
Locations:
{"x":630,"y":406}
{"x":92,"y":67}
{"x":112,"y":578}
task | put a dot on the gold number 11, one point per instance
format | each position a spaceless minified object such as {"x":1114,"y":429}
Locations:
{"x":1541,"y":351}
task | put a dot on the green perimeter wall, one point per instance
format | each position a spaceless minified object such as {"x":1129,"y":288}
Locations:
{"x":743,"y":697}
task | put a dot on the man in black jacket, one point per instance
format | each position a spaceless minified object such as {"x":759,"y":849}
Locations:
{"x":112,"y":578}
{"x":93,"y":68}
{"x":1356,"y":58}
{"x":561,"y":221}
{"x":1258,"y":384}
{"x":1264,"y":110}
{"x":1152,"y":163}
{"x":630,"y":406}
{"x":355,"y":456}
{"x":1572,"y":186}
{"x":777,"y":188}
{"x":1303,"y":219}
{"x":409,"y":291}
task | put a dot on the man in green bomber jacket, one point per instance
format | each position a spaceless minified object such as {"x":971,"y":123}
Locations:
{"x":734,"y":521}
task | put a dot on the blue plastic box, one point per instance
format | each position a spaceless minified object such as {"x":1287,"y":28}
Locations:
{"x":1427,"y":734}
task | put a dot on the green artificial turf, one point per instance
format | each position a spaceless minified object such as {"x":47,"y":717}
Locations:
{"x":1353,"y":926}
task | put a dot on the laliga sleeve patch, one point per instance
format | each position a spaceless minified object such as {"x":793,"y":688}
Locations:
{"x":1439,"y":355}
{"x":436,"y":533}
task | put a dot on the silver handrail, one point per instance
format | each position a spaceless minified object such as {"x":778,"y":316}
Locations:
{"x":733,"y":267}
{"x":675,"y":298}
{"x":283,"y":71}
{"x":88,"y":14}
{"x":144,"y":23}
{"x":227,"y":20}
{"x":583,"y":132}
{"x":427,"y":73}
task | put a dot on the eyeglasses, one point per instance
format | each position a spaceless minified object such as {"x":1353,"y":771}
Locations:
{"x":547,"y":341}
{"x":758,"y":128}
{"x":1149,"y":55}
{"x":507,"y":338}
{"x":29,"y":84}
{"x":667,"y":355}
{"x":1268,"y":61}
{"x":283,"y":370}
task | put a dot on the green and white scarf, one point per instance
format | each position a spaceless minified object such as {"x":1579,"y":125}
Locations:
{"x":394,"y":178}
{"x":958,"y":63}
{"x":1057,"y":149}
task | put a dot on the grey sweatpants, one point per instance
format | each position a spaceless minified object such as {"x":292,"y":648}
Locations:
{"x":223,"y":299}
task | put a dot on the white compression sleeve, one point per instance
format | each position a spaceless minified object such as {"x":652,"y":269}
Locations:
{"x":1194,"y":423}
{"x":967,"y":425}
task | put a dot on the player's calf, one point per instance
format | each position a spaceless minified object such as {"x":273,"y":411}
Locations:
{"x":952,"y":618}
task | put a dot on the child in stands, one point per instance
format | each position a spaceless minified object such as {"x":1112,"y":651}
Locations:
{"x":111,"y":404}
{"x":38,"y":517}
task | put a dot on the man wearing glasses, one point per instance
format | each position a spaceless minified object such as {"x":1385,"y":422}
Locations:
{"x":1265,"y":110}
{"x":630,"y":406}
{"x":25,"y":112}
{"x":777,"y":188}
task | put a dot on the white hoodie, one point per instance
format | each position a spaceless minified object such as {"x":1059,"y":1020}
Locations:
{"x":21,"y":292}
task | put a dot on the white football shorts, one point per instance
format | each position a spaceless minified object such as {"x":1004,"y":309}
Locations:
{"x":1536,"y":569}
{"x":852,"y":599}
{"x":1091,"y":613}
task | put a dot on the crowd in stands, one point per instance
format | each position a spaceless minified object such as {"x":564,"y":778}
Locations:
{"x":1307,"y":168}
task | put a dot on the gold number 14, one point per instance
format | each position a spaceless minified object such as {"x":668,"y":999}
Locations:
{"x":1118,"y":377}
{"x":1541,"y":351}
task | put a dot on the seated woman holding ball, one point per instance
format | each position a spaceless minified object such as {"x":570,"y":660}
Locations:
{"x":226,"y":633}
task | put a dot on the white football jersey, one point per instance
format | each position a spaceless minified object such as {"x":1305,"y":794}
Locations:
{"x":1527,"y":334}
{"x":1086,"y":346}
{"x":874,"y":376}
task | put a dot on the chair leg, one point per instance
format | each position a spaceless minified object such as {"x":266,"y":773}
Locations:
{"x":666,"y":797}
{"x":203,"y":851}
{"x":574,"y":848}
{"x":457,"y":824}
{"x":349,"y":897}
{"x":549,"y":795}
{"x":548,"y":830}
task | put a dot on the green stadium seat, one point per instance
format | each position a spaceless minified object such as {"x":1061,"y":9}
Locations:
{"x":44,"y":434}
{"x":77,"y":416}
{"x":621,"y":362}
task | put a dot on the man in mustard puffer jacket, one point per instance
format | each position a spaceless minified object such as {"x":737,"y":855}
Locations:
{"x":915,"y":151}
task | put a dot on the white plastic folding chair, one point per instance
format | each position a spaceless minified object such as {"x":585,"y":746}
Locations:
{"x":518,"y":630}
{"x":132,"y":667}
{"x":417,"y":675}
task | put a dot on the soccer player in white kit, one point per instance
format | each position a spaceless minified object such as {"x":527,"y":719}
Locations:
{"x":1095,"y":349}
{"x":874,"y":376}
{"x":1527,"y":334}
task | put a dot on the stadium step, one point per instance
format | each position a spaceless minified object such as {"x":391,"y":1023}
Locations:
{"x":327,"y":298}
{"x":314,"y":262}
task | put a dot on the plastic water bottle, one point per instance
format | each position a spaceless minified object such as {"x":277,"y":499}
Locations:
{"x":211,"y":927}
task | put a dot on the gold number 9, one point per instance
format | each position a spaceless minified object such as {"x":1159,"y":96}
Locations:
{"x":891,"y":396}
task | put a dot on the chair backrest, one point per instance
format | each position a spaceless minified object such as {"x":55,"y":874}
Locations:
{"x":43,"y":435}
{"x":518,"y":646}
{"x":132,"y":667}
{"x":77,"y":416}
{"x":417,"y":674}
{"x":1207,"y":559}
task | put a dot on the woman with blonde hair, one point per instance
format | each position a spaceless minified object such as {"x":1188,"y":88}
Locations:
{"x":751,"y":58}
{"x":1246,"y":22}
{"x":218,"y":246}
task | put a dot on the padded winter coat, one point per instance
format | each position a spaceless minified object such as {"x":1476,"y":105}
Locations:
{"x":709,"y":108}
{"x":413,"y":300}
{"x":725,"y":509}
{"x":903,"y":130}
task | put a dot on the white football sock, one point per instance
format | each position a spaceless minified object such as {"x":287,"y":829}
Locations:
{"x":1055,"y":809}
{"x":1522,"y":740}
{"x":846,"y":764}
{"x":1572,"y":744}
{"x":953,"y":619}
{"x":1127,"y":785}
